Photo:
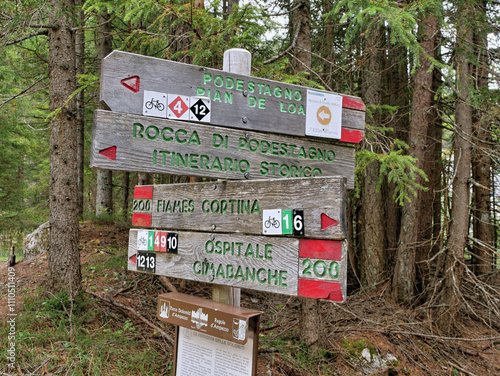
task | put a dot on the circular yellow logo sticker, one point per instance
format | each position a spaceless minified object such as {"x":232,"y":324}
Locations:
{"x":324,"y":115}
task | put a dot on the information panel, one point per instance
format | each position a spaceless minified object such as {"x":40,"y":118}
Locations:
{"x":200,"y":354}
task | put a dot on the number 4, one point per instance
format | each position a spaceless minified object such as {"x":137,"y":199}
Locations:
{"x":178,"y":107}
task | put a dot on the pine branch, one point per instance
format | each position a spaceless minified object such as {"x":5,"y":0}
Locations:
{"x":291,"y":47}
{"x":41,"y":32}
{"x":22,"y":92}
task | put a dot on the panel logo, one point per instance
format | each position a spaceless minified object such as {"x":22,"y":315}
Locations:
{"x":165,"y":309}
{"x":199,"y":318}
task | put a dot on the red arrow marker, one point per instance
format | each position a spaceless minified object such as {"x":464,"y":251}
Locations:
{"x":132,"y":83}
{"x":141,"y":219}
{"x":143,"y":191}
{"x":109,"y":153}
{"x":353,"y":103}
{"x":320,"y":290}
{"x":133,"y":259}
{"x":326,"y":222}
{"x":320,"y":249}
{"x":352,"y":135}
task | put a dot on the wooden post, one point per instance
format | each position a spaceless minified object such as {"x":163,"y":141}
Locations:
{"x":12,"y":257}
{"x":236,"y":60}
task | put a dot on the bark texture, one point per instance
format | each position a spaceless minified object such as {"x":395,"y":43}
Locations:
{"x":64,"y":255}
{"x":403,"y":283}
{"x":104,"y":187}
{"x":373,"y":255}
{"x":301,"y":30}
{"x":462,"y":150}
{"x":481,"y":161}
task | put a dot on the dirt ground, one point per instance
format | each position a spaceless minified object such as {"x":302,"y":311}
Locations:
{"x":398,"y":341}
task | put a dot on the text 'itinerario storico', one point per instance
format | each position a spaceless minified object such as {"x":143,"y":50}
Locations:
{"x":276,"y":159}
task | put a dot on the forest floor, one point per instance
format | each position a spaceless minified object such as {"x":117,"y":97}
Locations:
{"x":105,"y":332}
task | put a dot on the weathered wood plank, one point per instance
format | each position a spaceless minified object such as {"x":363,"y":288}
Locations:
{"x":261,"y":263}
{"x":241,"y":206}
{"x":237,"y":101}
{"x":138,"y":143}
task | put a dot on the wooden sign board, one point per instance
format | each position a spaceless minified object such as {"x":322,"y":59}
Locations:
{"x":145,"y":144}
{"x":305,"y":207}
{"x":309,"y":268}
{"x":207,"y":316}
{"x":144,"y":85}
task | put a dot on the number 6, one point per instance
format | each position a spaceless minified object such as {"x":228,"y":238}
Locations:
{"x":298,"y":222}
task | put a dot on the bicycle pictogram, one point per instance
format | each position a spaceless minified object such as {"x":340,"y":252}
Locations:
{"x":154,"y":103}
{"x":142,"y":241}
{"x":272,"y":222}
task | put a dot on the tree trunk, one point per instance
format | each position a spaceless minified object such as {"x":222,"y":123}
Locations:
{"x":301,"y":27}
{"x":104,"y":187}
{"x":228,"y":7}
{"x":398,"y":95}
{"x":104,"y":192}
{"x":328,"y":52}
{"x":437,"y":175}
{"x":144,"y":178}
{"x":372,"y":250}
{"x":80,"y":69}
{"x":300,"y":23}
{"x":481,"y":161}
{"x":125,"y":192}
{"x":427,"y":232}
{"x":64,"y":256}
{"x":403,"y":283}
{"x":459,"y":227}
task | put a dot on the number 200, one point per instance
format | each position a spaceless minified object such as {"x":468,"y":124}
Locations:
{"x":320,"y":268}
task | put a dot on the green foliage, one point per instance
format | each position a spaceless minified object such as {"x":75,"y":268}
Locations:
{"x":96,"y":347}
{"x":355,"y":348}
{"x":175,"y":30}
{"x":23,"y":138}
{"x":363,"y":16}
{"x":396,"y":167}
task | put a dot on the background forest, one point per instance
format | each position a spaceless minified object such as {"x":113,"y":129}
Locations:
{"x":425,"y":214}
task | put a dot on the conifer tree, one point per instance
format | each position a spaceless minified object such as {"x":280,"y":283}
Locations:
{"x":64,"y":254}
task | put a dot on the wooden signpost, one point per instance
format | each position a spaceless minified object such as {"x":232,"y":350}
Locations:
{"x":279,"y":227}
{"x":312,"y":268}
{"x":256,"y":246}
{"x":144,"y":85}
{"x":146,"y":144}
{"x":305,"y":207}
